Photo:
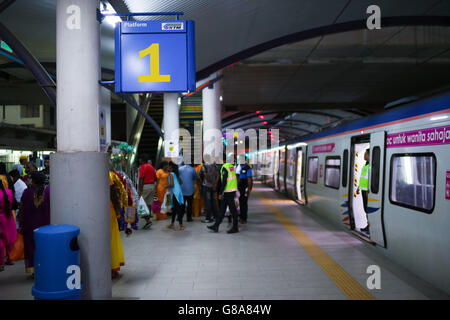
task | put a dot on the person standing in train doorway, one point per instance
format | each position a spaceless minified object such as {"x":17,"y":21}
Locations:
{"x":227,"y":192}
{"x":364,"y":186}
{"x":245,"y":185}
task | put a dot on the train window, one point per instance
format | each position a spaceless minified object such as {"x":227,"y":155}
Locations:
{"x":375,"y":169}
{"x":413,"y":181}
{"x":313,"y":169}
{"x":332,"y":172}
{"x":345,"y":168}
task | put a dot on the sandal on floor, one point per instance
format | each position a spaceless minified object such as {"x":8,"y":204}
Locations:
{"x":181,"y":227}
{"x":171,"y":226}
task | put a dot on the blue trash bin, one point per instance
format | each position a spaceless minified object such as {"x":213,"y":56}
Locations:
{"x":57,"y":263}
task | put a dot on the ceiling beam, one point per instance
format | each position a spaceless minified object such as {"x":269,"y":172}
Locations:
{"x":5,"y":4}
{"x":291,"y":107}
{"x":40,"y":74}
{"x":386,"y":21}
{"x":244,"y":116}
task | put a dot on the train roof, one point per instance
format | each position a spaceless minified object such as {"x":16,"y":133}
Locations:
{"x":417,"y":108}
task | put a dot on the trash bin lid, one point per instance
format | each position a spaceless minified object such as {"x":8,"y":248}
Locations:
{"x":58,"y":229}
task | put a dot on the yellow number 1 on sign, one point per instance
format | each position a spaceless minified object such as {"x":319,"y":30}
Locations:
{"x":154,"y":76}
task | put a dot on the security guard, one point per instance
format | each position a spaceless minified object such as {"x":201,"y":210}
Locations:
{"x":245,"y":185}
{"x":364,"y":185}
{"x":227,"y":192}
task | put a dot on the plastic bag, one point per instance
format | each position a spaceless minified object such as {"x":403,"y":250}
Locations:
{"x":16,"y":253}
{"x":142,"y":209}
{"x":166,"y":206}
{"x":156,"y":206}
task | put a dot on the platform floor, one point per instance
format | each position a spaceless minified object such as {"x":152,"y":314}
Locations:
{"x":284,"y":252}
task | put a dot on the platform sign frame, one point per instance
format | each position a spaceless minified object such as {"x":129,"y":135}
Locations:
{"x":155,"y":56}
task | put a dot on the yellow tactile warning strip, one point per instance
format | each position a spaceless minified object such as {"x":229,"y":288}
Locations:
{"x":345,"y":282}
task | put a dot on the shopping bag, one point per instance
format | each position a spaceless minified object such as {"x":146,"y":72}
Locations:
{"x":156,"y":206}
{"x":166,"y":206}
{"x":16,"y":253}
{"x":130,"y":214}
{"x":142,"y":208}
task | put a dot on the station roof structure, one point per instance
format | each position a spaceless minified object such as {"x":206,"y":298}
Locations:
{"x":306,"y":65}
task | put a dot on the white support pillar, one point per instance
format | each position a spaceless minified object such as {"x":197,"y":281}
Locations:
{"x":171,"y":118}
{"x":79,"y":180}
{"x":106,"y":104}
{"x":212,"y":119}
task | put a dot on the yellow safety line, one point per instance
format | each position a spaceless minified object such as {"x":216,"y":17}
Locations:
{"x":345,"y":282}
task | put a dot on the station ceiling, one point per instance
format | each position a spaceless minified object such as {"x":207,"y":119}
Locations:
{"x":286,"y":57}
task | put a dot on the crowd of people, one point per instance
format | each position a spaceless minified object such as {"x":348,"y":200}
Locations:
{"x":189,"y":188}
{"x":24,"y":207}
{"x":172,"y":191}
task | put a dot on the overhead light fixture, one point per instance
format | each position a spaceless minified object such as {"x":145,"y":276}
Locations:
{"x":179,"y":101}
{"x":261,"y":116}
{"x":259,"y":111}
{"x":112,"y":20}
{"x":264,"y":122}
{"x":221,"y":98}
{"x":438,"y":118}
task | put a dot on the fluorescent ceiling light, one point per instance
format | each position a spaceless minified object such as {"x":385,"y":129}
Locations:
{"x":107,"y":8}
{"x":438,"y":118}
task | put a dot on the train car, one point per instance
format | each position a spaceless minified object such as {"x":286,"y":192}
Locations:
{"x":408,"y":208}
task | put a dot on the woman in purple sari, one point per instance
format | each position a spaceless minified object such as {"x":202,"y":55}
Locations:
{"x":34,"y":212}
{"x":8,"y":232}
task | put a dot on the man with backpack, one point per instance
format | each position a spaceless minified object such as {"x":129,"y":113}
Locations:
{"x":209,"y":175}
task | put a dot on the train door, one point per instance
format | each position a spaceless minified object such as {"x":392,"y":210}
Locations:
{"x":359,"y":217}
{"x":376,"y":183}
{"x":276,"y":169}
{"x":346,"y":165}
{"x":367,"y":220}
{"x":282,"y":170}
{"x":268,"y":174}
{"x":300,"y":175}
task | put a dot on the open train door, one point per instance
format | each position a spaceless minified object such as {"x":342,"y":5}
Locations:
{"x":300,"y":175}
{"x":376,"y":183}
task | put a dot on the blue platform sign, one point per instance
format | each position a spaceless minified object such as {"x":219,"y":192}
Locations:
{"x":155,"y":56}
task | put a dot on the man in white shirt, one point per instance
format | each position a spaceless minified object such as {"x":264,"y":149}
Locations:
{"x":19,"y":187}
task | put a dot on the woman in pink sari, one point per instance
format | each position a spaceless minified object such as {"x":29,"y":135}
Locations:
{"x":8,"y":231}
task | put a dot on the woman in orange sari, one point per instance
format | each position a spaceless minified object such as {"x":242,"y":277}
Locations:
{"x":162,"y":186}
{"x":198,"y":199}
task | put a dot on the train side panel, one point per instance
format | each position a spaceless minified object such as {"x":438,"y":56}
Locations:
{"x":329,"y":201}
{"x":417,"y":206}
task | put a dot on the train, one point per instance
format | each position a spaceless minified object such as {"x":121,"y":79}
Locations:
{"x":408,"y":207}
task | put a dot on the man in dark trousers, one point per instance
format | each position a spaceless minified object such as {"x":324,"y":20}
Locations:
{"x":364,"y":186}
{"x":227,"y":192}
{"x":245,"y":185}
{"x":146,"y":187}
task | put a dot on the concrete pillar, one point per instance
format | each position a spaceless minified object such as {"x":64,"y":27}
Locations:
{"x":212,"y":119}
{"x":79,"y":177}
{"x":171,"y":119}
{"x":106,"y":104}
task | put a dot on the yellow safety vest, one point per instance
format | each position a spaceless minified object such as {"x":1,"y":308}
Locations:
{"x":364,"y":179}
{"x":231,"y":185}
